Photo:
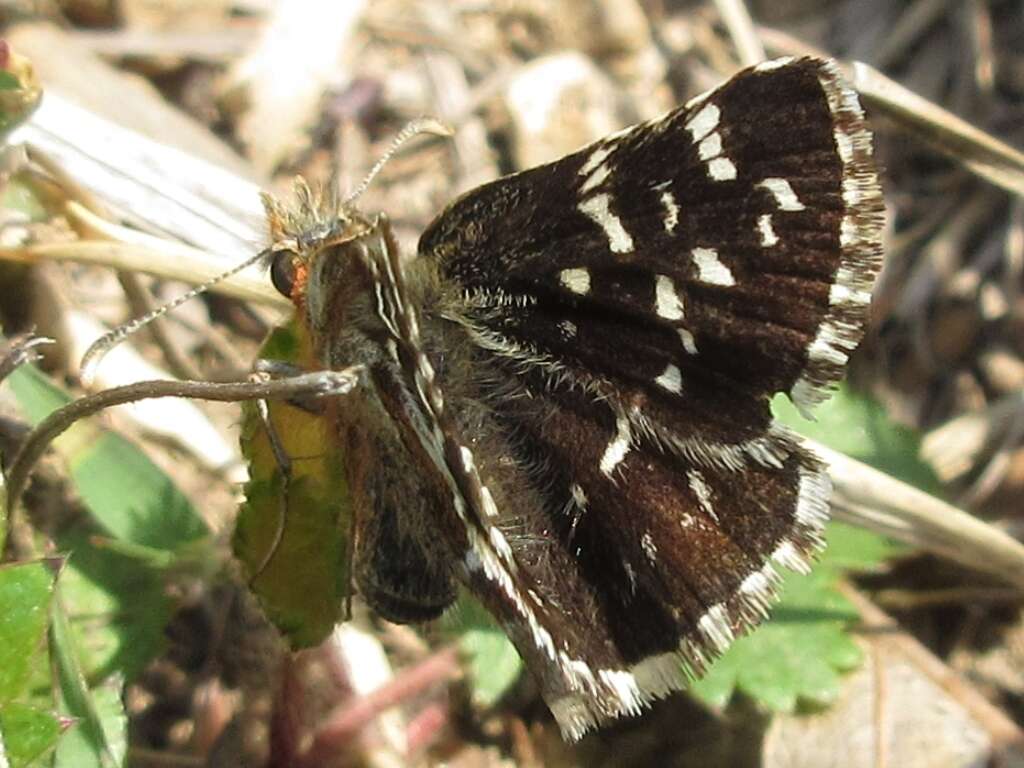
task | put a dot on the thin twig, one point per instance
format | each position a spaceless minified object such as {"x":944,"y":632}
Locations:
{"x":741,"y":29}
{"x":284,"y":468}
{"x":21,"y":350}
{"x":885,"y":630}
{"x":981,"y":153}
{"x":348,"y":720}
{"x":319,"y":383}
{"x":872,"y":499}
{"x":141,"y":302}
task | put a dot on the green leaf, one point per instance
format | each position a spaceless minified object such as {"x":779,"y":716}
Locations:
{"x":857,"y":426}
{"x":25,"y":594}
{"x":799,"y":653}
{"x":99,"y":735}
{"x":125,"y":492}
{"x":796,"y":656}
{"x":26,"y":734}
{"x":116,"y":608}
{"x":27,"y":731}
{"x":3,"y":512}
{"x":304,"y":585}
{"x":78,"y":748}
{"x":855,"y":549}
{"x":492,"y":663}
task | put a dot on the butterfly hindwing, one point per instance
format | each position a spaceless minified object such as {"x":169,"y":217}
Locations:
{"x":663,"y":560}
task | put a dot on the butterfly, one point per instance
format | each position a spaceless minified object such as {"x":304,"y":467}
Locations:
{"x":563,"y":398}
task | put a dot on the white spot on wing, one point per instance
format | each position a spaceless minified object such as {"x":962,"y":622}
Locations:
{"x":758,"y":589}
{"x":597,"y":157}
{"x":568,"y":328}
{"x":671,"y":379}
{"x":824,"y":347}
{"x":710,"y":147}
{"x":812,"y":499}
{"x":624,"y":687}
{"x":844,"y":145}
{"x":704,"y":122}
{"x":647,"y":542}
{"x":764,"y":226}
{"x":500,"y":544}
{"x":784,"y":195}
{"x":756,"y":583}
{"x":689,"y":343}
{"x":851,"y":192}
{"x":576,"y":280}
{"x":844,"y":294}
{"x":700,"y":489}
{"x":596,"y":208}
{"x":618,"y":447}
{"x":490,"y":508}
{"x":709,"y":269}
{"x":671,"y":211}
{"x":578,"y":495}
{"x":666,"y":301}
{"x":849,"y":232}
{"x":722,"y":169}
{"x":599,"y":175}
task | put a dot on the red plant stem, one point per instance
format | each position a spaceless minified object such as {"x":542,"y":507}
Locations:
{"x":346,"y":722}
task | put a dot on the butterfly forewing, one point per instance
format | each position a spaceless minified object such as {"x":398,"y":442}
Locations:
{"x":743,"y":227}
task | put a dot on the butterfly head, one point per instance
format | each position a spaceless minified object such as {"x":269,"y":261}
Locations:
{"x":314,"y":235}
{"x":325,"y":255}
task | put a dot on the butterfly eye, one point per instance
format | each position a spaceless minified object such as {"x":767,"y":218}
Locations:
{"x":282,"y":272}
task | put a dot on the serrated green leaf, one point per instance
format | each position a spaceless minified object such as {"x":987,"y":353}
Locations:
{"x":77,"y":749}
{"x":304,"y":586}
{"x":25,"y":594}
{"x":796,"y":656}
{"x":799,"y":654}
{"x":26,"y":734}
{"x":99,"y":734}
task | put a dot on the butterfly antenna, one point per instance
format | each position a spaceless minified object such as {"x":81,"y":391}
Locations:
{"x":108,"y":341}
{"x":412,"y":129}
